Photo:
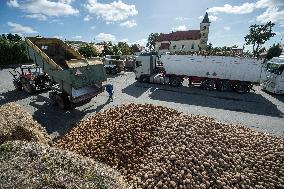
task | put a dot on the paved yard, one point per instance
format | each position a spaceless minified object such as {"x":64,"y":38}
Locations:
{"x":257,"y":110}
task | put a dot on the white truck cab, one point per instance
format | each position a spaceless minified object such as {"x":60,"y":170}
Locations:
{"x":144,"y":65}
{"x":274,"y":76}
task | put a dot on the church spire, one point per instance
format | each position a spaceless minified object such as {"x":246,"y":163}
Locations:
{"x":206,"y":18}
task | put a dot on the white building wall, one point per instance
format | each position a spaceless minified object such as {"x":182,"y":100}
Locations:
{"x":182,"y":45}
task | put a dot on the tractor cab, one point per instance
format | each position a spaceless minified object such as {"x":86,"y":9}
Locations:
{"x":30,"y":72}
{"x":30,"y":78}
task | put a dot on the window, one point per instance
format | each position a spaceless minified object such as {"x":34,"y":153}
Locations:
{"x":192,"y":46}
{"x":204,"y":27}
{"x":138,"y":63}
{"x":203,"y":34}
{"x":275,"y":68}
{"x":182,"y":47}
{"x":174,"y":47}
{"x":44,"y":47}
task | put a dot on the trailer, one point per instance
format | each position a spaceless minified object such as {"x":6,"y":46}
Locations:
{"x":58,"y":67}
{"x":211,"y":72}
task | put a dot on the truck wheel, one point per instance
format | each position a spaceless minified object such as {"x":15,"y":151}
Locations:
{"x":27,"y":87}
{"x":241,"y":87}
{"x":208,"y":84}
{"x":63,"y":101}
{"x":17,"y":85}
{"x":223,"y":85}
{"x":144,"y":79}
{"x":175,"y":82}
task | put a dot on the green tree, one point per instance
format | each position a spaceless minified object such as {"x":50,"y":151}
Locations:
{"x":274,"y":51}
{"x":124,"y":48}
{"x":88,"y":51}
{"x":108,"y":49}
{"x":135,"y":48}
{"x":116,"y":50}
{"x":258,"y":35}
{"x":12,"y":49}
{"x":209,"y":47}
{"x":152,"y":39}
{"x":15,"y":38}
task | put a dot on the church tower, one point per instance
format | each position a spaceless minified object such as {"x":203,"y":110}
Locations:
{"x":204,"y":31}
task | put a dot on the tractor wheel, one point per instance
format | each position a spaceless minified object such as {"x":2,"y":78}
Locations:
{"x":223,"y":86}
{"x":241,"y":87}
{"x":208,"y":84}
{"x":63,"y":101}
{"x":27,"y":87}
{"x":175,"y":82}
{"x":17,"y":85}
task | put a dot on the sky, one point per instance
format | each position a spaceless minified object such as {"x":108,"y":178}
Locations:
{"x":133,"y":20}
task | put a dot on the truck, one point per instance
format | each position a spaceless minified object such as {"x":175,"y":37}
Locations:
{"x":70,"y":78}
{"x":113,"y":66}
{"x":223,"y":73}
{"x":274,"y":75}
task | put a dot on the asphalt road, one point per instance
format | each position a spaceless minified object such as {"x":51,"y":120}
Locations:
{"x":257,"y":110}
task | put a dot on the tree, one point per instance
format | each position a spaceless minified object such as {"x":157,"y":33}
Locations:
{"x":12,"y":49}
{"x":258,"y":35}
{"x":209,"y":47}
{"x":135,"y":48}
{"x":108,"y":49}
{"x":15,"y":38}
{"x":274,"y":51}
{"x":124,"y":48}
{"x":116,"y":50}
{"x":88,"y":51}
{"x":152,"y":39}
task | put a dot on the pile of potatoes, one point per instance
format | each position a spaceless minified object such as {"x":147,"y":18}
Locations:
{"x":17,"y":124}
{"x":158,"y":147}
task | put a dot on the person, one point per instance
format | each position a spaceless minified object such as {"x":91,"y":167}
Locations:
{"x":109,"y":89}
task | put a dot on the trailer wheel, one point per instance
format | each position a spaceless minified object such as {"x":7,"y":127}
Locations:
{"x":113,"y":71}
{"x":63,"y":101}
{"x":241,"y":87}
{"x":52,"y":97}
{"x":17,"y":85}
{"x":223,"y":85}
{"x":208,"y":84}
{"x":175,"y":82}
{"x":27,"y":87}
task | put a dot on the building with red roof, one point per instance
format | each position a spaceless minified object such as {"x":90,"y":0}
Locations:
{"x":186,"y":41}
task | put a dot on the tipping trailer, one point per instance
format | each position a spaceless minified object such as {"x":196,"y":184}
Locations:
{"x":71,"y":77}
{"x":220,"y":72}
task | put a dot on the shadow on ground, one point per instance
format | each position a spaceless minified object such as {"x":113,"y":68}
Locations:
{"x":135,"y":89}
{"x":247,"y":103}
{"x":115,"y":75}
{"x":56,"y":120}
{"x":14,"y":95}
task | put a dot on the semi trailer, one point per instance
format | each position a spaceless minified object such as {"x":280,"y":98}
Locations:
{"x":223,"y":73}
{"x":59,"y":68}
